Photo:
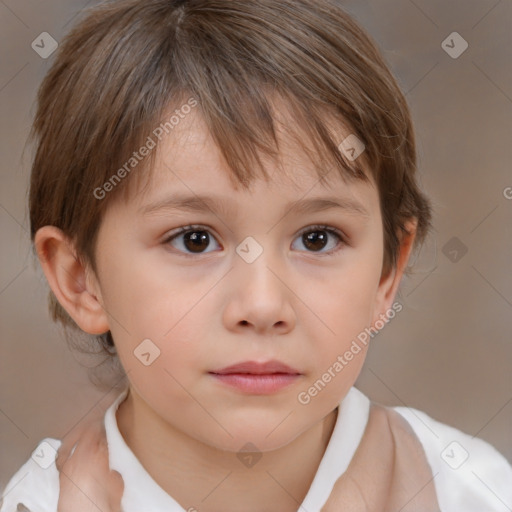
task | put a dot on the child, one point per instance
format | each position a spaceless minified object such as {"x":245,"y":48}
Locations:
{"x":271,"y":132}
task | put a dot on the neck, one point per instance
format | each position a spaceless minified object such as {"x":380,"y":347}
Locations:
{"x":198,"y":475}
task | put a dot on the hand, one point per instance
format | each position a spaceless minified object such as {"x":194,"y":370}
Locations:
{"x":86,"y":482}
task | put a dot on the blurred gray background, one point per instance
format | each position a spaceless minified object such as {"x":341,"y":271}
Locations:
{"x":448,"y":353}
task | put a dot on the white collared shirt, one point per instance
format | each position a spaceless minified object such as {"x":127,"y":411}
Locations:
{"x":469,"y":474}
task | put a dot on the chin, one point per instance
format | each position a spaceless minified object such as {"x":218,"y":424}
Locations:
{"x":251,"y":440}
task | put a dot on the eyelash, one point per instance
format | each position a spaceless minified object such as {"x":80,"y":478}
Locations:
{"x":309,"y":229}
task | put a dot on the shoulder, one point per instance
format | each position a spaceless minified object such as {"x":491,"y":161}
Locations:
{"x":469,"y":473}
{"x":36,"y":483}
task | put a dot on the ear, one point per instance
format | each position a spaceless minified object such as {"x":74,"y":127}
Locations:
{"x":75,"y":287}
{"x":389,"y":283}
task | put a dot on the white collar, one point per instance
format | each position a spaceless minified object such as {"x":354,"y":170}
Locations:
{"x":353,"y":413}
{"x":141,"y":492}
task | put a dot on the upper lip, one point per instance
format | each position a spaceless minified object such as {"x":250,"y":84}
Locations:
{"x":257,"y":368}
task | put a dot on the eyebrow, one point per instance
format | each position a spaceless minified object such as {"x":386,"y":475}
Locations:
{"x":201,"y":203}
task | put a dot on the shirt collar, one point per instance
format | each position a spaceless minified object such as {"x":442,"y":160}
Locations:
{"x":141,"y":492}
{"x":348,"y":431}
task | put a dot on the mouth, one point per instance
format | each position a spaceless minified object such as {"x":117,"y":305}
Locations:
{"x":257,"y":378}
{"x":256,"y":368}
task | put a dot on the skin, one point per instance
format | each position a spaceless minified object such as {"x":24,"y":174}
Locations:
{"x":303,"y":306}
{"x":86,"y":482}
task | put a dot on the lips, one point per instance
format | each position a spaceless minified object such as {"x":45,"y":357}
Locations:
{"x":256,"y":368}
{"x":254,"y":378}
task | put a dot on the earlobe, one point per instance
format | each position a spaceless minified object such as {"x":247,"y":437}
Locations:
{"x":69,"y":280}
{"x":389,"y":284}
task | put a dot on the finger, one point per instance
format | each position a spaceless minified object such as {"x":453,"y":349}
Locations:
{"x":63,"y":455}
{"x":87,"y":484}
{"x":65,"y":449}
{"x":76,"y":497}
{"x":117,"y":480}
{"x":90,"y":451}
{"x":93,"y":419}
{"x":90,"y":436}
{"x":89,"y":460}
{"x":116,"y":491}
{"x":70,"y":441}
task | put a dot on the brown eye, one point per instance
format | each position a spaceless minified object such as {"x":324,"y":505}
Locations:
{"x":317,"y":238}
{"x":191,"y":240}
{"x":196,"y":241}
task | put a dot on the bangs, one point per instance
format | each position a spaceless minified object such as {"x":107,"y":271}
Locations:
{"x":248,"y":136}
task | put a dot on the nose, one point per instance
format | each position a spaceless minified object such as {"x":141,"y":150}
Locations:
{"x":260,"y":299}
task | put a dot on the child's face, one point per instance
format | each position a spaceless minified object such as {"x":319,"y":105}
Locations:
{"x":301,"y":301}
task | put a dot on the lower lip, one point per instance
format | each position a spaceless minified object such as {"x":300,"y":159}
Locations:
{"x":258,"y":384}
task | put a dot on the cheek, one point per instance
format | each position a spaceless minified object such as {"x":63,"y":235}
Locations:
{"x":150,"y":300}
{"x":345,"y":305}
{"x":345,"y":302}
{"x":338,"y":357}
{"x":145,"y":304}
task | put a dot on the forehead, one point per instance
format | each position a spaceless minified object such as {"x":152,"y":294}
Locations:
{"x":190,"y":167}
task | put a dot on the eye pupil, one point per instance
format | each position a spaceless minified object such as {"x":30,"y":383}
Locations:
{"x":315,"y":240}
{"x":196,"y":241}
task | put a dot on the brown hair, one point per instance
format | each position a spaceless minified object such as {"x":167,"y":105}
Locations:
{"x":124,"y":65}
